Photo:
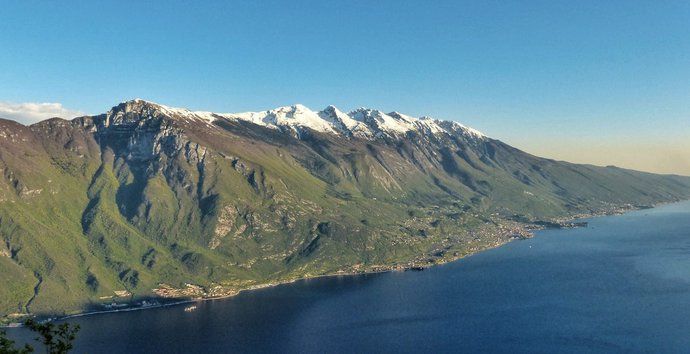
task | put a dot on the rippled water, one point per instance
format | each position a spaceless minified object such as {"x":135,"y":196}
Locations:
{"x":620,"y":285}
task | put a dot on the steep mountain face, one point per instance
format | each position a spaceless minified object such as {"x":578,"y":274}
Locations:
{"x":148,"y":200}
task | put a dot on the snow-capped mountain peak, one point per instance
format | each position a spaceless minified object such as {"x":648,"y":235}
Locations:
{"x":362,"y":122}
{"x":133,"y":110}
{"x":291,"y":116}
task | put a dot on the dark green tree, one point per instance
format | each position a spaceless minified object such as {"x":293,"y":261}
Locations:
{"x":58,"y":339}
{"x":7,"y":345}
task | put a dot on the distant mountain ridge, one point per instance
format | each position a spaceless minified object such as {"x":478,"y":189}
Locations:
{"x":361,"y":122}
{"x":146,"y":200}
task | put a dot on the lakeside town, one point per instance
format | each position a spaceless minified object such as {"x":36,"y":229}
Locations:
{"x":451,"y":250}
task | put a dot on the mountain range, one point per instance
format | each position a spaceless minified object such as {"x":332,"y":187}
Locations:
{"x":148,"y":201}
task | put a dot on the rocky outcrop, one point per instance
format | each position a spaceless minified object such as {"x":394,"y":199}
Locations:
{"x":146,"y":195}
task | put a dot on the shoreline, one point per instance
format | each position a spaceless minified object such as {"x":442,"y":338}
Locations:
{"x":187,"y":301}
{"x":565,"y":223}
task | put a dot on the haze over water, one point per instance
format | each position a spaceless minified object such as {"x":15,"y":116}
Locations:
{"x":620,"y":285}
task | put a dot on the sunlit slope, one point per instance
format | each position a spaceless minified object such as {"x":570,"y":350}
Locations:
{"x":145,"y":195}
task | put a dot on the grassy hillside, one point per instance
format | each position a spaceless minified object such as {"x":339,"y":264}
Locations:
{"x":109,"y":208}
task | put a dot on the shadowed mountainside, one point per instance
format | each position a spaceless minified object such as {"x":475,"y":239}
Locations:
{"x":147,"y":197}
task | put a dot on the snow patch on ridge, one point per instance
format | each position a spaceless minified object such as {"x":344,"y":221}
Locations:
{"x":361,"y":122}
{"x":206,"y":117}
{"x":296,"y":115}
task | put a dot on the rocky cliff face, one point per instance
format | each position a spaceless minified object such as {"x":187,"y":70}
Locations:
{"x":149,"y":197}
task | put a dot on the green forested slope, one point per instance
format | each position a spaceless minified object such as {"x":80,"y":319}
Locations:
{"x":137,"y":198}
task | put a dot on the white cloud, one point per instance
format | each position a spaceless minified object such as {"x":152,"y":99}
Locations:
{"x":32,"y":112}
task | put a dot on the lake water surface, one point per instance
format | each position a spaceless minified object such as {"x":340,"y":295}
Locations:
{"x":620,"y":285}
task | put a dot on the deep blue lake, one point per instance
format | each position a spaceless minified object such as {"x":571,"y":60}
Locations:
{"x":622,"y":284}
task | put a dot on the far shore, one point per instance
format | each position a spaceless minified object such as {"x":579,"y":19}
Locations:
{"x":569,"y":222}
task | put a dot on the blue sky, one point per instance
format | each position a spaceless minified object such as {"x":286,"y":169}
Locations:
{"x":587,"y":81}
